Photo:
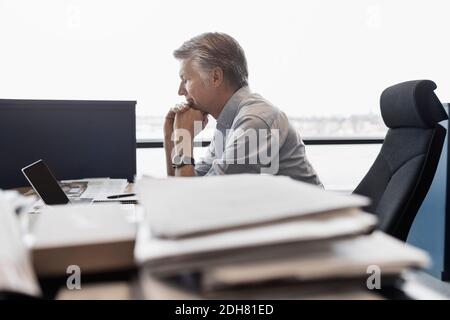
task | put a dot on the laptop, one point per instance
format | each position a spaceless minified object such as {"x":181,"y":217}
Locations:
{"x":47,"y":187}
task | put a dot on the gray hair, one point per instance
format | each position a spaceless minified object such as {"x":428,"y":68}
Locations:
{"x":214,"y":49}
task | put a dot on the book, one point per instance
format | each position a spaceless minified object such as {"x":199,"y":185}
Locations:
{"x":96,"y":238}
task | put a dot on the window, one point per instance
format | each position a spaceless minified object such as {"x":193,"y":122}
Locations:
{"x":324,"y":63}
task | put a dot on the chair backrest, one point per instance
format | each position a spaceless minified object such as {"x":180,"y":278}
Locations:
{"x":401,"y":175}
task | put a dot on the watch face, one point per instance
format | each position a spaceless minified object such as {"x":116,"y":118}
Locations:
{"x":176,"y":159}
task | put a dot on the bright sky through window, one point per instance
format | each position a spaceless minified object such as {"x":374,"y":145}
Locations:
{"x":308,"y":57}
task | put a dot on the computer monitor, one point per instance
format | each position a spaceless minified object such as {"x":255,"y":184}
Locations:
{"x":77,"y":139}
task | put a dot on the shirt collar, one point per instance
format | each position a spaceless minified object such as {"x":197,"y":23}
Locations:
{"x":229,"y":111}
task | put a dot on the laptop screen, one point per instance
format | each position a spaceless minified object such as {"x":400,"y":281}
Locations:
{"x":44,"y":183}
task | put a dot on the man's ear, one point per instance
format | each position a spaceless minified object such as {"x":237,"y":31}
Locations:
{"x":217,"y":76}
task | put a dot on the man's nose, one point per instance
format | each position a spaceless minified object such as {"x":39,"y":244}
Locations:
{"x":181,"y":90}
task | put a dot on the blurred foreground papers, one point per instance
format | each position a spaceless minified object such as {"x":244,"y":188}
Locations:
{"x":187,"y":217}
{"x":250,"y":236}
{"x":246,"y":236}
{"x":179,"y":207}
{"x":16,"y":270}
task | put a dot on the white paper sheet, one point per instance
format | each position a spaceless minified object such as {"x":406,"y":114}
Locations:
{"x":69,"y":225}
{"x":101,"y":188}
{"x":182,"y":206}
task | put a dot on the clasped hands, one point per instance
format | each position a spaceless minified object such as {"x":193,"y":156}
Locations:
{"x":182,"y":118}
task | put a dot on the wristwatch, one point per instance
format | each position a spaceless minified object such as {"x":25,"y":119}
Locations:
{"x":181,"y":160}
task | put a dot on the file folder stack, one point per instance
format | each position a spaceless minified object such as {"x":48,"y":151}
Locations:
{"x":261,"y":236}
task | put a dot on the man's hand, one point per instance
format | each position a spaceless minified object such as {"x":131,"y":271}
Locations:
{"x":170,"y":119}
{"x":181,"y":120}
{"x":168,"y":136}
{"x":186,"y":117}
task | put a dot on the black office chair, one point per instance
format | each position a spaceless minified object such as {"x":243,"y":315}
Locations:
{"x":401,"y":175}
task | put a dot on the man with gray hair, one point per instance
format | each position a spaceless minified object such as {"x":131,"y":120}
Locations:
{"x":251,"y":136}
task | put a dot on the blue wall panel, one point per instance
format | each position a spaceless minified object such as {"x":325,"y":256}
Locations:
{"x":428,"y":229}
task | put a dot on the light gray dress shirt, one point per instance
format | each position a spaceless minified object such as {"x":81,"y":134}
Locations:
{"x":253,"y":136}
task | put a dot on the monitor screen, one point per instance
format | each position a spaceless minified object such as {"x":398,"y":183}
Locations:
{"x":77,"y":139}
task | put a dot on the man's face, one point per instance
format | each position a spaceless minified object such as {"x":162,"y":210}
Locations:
{"x":195,"y":86}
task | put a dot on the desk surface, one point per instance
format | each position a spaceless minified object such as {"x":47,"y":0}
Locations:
{"x":417,"y":285}
{"x":30,"y":191}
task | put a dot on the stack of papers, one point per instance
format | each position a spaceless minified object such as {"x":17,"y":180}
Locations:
{"x":180,"y":207}
{"x":16,"y":271}
{"x":169,"y":255}
{"x":347,"y":258}
{"x":236,"y":231}
{"x":100,"y":188}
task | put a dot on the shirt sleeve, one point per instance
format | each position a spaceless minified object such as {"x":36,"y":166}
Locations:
{"x":250,"y":147}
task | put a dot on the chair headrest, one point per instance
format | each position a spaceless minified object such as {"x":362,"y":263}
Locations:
{"x":411,"y":104}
